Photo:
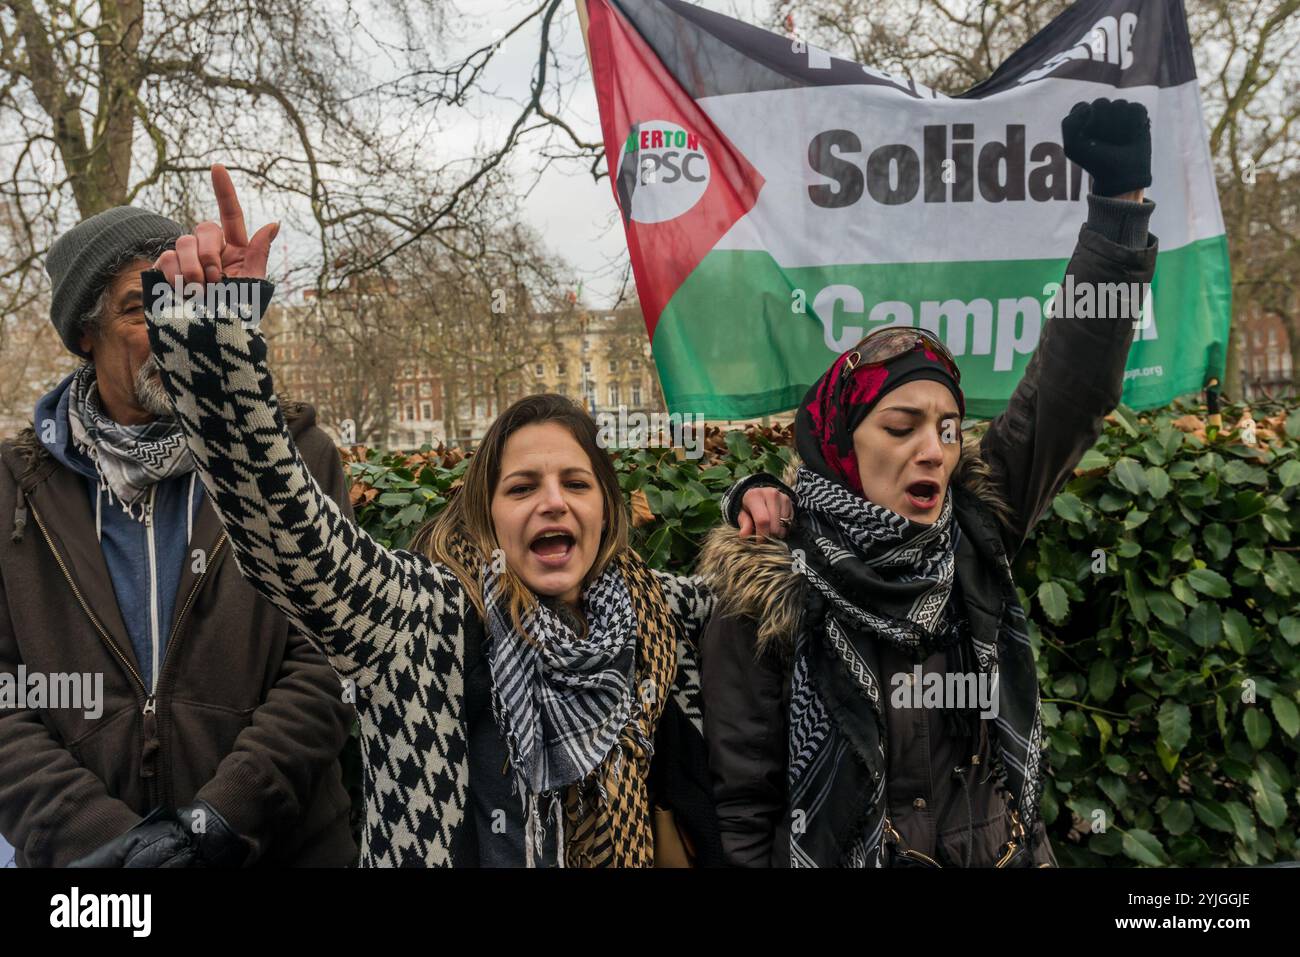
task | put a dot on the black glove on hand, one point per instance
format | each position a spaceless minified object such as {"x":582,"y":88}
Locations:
{"x":1112,"y":142}
{"x":218,"y":843}
{"x":157,"y":841}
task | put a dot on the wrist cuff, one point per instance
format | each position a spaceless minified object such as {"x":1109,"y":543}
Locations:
{"x":734,"y":497}
{"x":1121,"y":221}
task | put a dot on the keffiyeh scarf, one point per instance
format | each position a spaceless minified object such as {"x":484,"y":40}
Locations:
{"x":578,"y":713}
{"x":128,"y":458}
{"x":874,"y":576}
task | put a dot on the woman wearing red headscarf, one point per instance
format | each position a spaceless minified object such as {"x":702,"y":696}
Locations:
{"x":873,"y":699}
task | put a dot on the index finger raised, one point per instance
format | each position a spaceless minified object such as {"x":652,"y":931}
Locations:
{"x":232,"y":214}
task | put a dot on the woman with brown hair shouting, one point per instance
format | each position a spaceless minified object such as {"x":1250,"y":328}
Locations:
{"x":513,"y":677}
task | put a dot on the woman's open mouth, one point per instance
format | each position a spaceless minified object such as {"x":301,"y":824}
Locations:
{"x":553,"y":547}
{"x":923,"y":495}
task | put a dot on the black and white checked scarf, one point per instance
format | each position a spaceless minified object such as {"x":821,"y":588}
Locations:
{"x":128,"y":458}
{"x":560,"y":700}
{"x":874,"y":576}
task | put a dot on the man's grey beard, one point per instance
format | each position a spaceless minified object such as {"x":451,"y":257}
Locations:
{"x":149,"y":393}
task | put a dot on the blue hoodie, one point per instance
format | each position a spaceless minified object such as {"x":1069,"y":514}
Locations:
{"x":145,"y":558}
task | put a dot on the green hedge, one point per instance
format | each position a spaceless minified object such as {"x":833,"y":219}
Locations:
{"x":1163,"y":592}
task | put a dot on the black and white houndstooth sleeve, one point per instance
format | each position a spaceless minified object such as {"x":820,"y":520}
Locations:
{"x":361,"y":601}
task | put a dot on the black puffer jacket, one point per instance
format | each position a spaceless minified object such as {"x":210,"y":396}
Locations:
{"x":1004,"y":483}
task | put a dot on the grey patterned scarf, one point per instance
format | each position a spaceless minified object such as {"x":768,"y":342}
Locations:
{"x":560,"y":700}
{"x":128,"y":458}
{"x":876,"y":576}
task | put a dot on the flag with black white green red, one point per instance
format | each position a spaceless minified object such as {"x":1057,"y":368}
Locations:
{"x":780,"y":202}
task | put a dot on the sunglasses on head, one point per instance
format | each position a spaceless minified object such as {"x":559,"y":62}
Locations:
{"x":885,"y":345}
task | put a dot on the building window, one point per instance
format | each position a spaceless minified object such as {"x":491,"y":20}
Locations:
{"x":589,"y":396}
{"x":613,"y":395}
{"x":539,"y":370}
{"x":561,"y":368}
{"x":426,"y":390}
{"x":426,"y":410}
{"x":586,"y":367}
{"x":408,"y":391}
{"x":636,"y":393}
{"x":1272,"y":337}
{"x":613,"y":366}
{"x":410,"y":413}
{"x":585,"y":344}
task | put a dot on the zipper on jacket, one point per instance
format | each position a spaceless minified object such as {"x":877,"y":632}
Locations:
{"x":153,"y":594}
{"x":151,"y":728}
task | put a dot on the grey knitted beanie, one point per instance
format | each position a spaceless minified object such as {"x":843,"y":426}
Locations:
{"x":80,"y":261}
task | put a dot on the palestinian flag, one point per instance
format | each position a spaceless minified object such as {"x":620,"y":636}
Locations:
{"x":780,"y":202}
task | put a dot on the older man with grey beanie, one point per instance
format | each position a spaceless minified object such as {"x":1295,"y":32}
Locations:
{"x":207,"y":731}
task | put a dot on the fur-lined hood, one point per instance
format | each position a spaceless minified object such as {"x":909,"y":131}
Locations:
{"x":756,"y":579}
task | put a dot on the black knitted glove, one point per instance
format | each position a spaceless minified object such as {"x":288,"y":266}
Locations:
{"x":1111,"y":140}
{"x":218,"y":843}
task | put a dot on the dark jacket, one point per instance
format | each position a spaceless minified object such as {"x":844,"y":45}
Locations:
{"x":1004,"y":483}
{"x":248,"y":715}
{"x":144,"y":558}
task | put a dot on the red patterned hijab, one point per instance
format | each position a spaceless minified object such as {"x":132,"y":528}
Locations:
{"x":839,"y":401}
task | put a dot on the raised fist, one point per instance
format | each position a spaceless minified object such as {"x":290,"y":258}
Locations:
{"x":1111,"y":140}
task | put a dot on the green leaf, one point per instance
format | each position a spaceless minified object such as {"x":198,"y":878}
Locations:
{"x":1130,"y":475}
{"x":1237,"y":631}
{"x":1213,"y":815}
{"x":1205,"y":624}
{"x":1168,"y":757}
{"x":1136,"y":519}
{"x":1271,"y":807}
{"x":1166,"y":607}
{"x":1062,"y":743}
{"x":1289,"y":628}
{"x":1101,"y":679}
{"x":1127,"y":419}
{"x":1289,"y":474}
{"x":1177,"y":817}
{"x":1258,"y":728}
{"x":1218,"y":540}
{"x":1288,"y":717}
{"x":1129,"y":548}
{"x":1142,"y":846}
{"x":1243,"y":822}
{"x":1114,"y":788}
{"x":1288,"y":568}
{"x":1209,"y":582}
{"x":1157,"y":482}
{"x":1069,"y":507}
{"x":1277,"y":526}
{"x":1184,"y":592}
{"x":1104,"y":730}
{"x":1092,"y":459}
{"x":1238,"y":472}
{"x":1052,"y":597}
{"x":1136,"y":598}
{"x":1117,"y":763}
{"x":738,"y":445}
{"x":657,"y":548}
{"x":1175,"y":722}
